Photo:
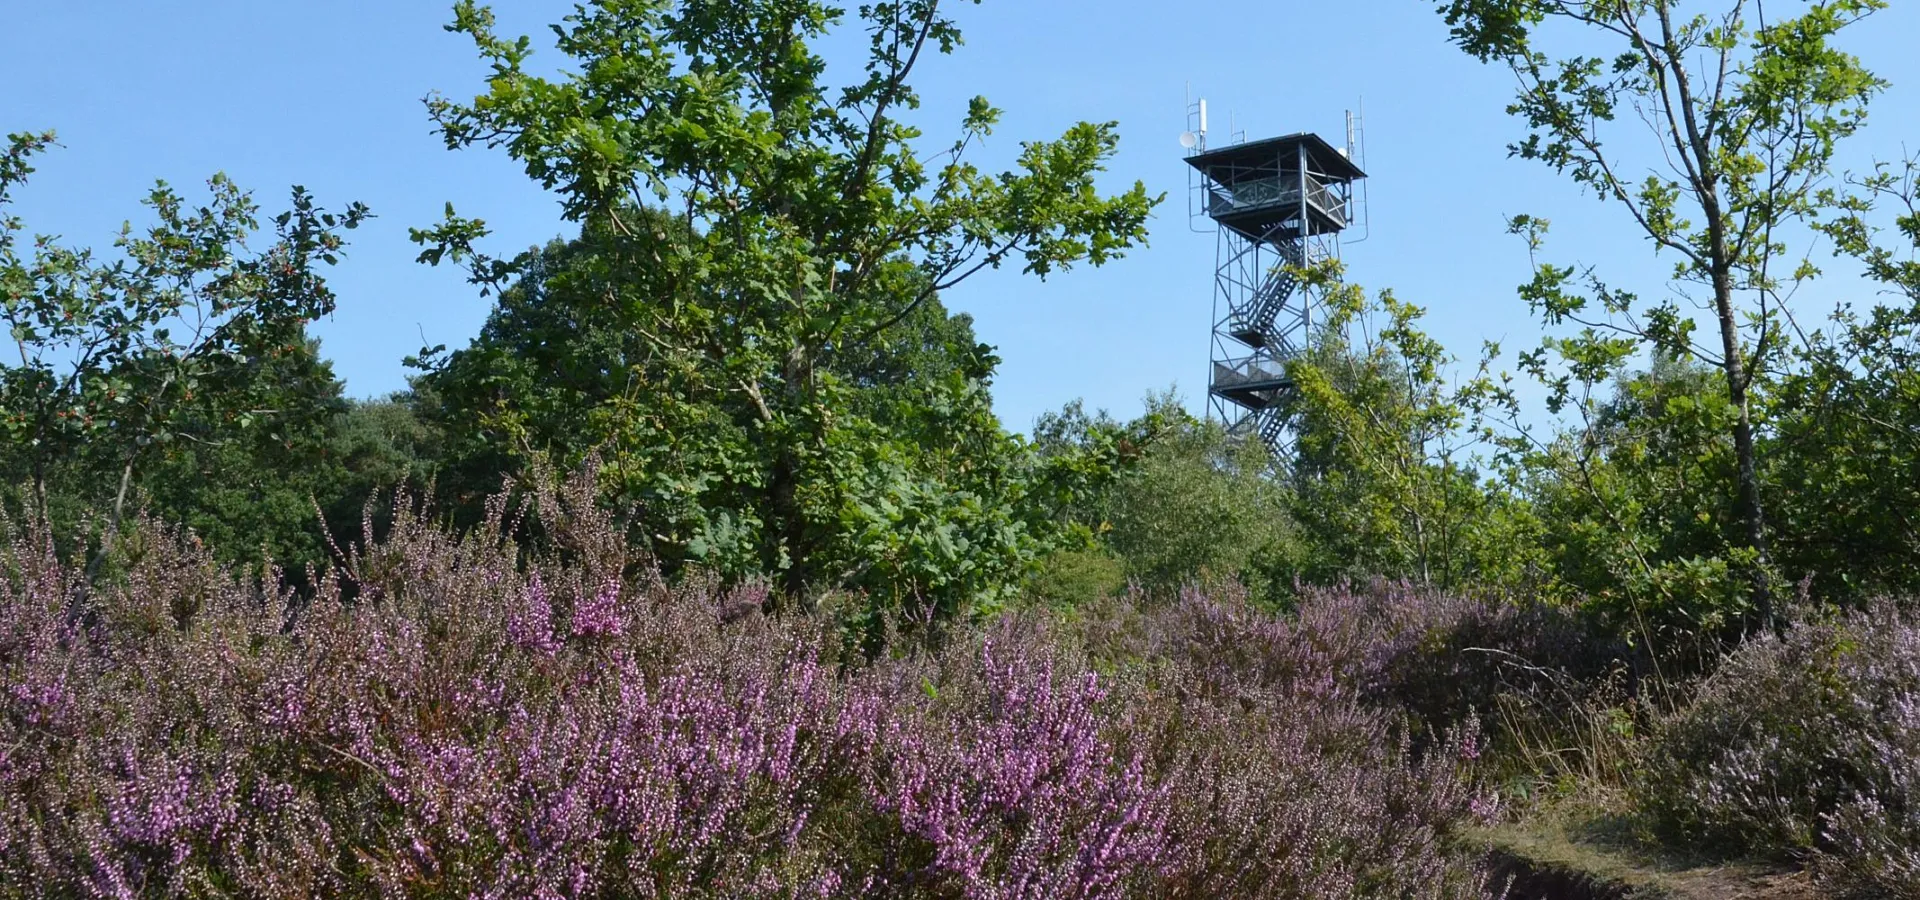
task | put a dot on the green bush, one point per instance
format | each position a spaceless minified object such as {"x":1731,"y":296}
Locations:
{"x":1076,"y":578}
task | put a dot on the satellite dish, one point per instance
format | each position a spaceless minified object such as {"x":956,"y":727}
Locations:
{"x":1189,"y":140}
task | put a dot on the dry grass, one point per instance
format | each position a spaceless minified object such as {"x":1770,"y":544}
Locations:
{"x":1563,"y":739}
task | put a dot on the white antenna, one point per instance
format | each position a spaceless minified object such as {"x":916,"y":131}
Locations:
{"x":1194,"y":141}
{"x":1195,"y":137}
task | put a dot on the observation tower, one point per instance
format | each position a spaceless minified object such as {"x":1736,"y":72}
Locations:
{"x":1277,"y":204}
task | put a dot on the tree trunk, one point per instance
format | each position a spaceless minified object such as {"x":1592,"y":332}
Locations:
{"x":787,"y":518}
{"x":1706,"y":177}
{"x":787,"y":521}
{"x":1752,"y":510}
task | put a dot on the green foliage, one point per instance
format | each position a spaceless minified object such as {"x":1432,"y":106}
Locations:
{"x":1380,"y":484}
{"x":1635,"y":516}
{"x":187,"y":335}
{"x":754,"y":245}
{"x":1383,"y":478}
{"x":1855,"y":233}
{"x":250,"y":496}
{"x":380,"y":444}
{"x":1201,"y":505}
{"x":1743,"y":114}
{"x":1077,"y":579}
{"x":1848,"y":420}
{"x":1849,"y":412}
{"x":1187,"y":502}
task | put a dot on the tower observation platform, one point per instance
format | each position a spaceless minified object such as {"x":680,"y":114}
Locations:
{"x":1277,"y":204}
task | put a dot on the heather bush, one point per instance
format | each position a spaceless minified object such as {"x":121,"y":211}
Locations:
{"x":1442,"y":659}
{"x":459,"y":715}
{"x":1805,"y":746}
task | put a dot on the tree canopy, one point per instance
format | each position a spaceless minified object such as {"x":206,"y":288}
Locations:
{"x":757,"y":242}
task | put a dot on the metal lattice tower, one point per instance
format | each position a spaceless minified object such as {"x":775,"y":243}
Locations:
{"x":1276,"y":204}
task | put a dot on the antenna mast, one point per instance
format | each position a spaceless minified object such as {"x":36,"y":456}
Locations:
{"x":1357,"y":152}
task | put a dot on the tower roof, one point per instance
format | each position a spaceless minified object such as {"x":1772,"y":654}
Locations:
{"x":1321,"y":155}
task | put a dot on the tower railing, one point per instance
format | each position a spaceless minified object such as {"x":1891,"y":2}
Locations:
{"x":1281,"y":190}
{"x":1265,"y":369}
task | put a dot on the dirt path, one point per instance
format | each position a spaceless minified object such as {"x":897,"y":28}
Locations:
{"x":1554,"y":862}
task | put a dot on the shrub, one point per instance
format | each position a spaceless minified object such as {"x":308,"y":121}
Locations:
{"x":1805,"y":746}
{"x":1440,"y":658}
{"x":1070,"y":579}
{"x":463,"y":716}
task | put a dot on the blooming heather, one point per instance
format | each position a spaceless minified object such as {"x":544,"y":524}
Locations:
{"x":461,"y":716}
{"x":1805,"y":746}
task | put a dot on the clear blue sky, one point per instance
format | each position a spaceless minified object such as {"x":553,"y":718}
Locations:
{"x":327,"y":94}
